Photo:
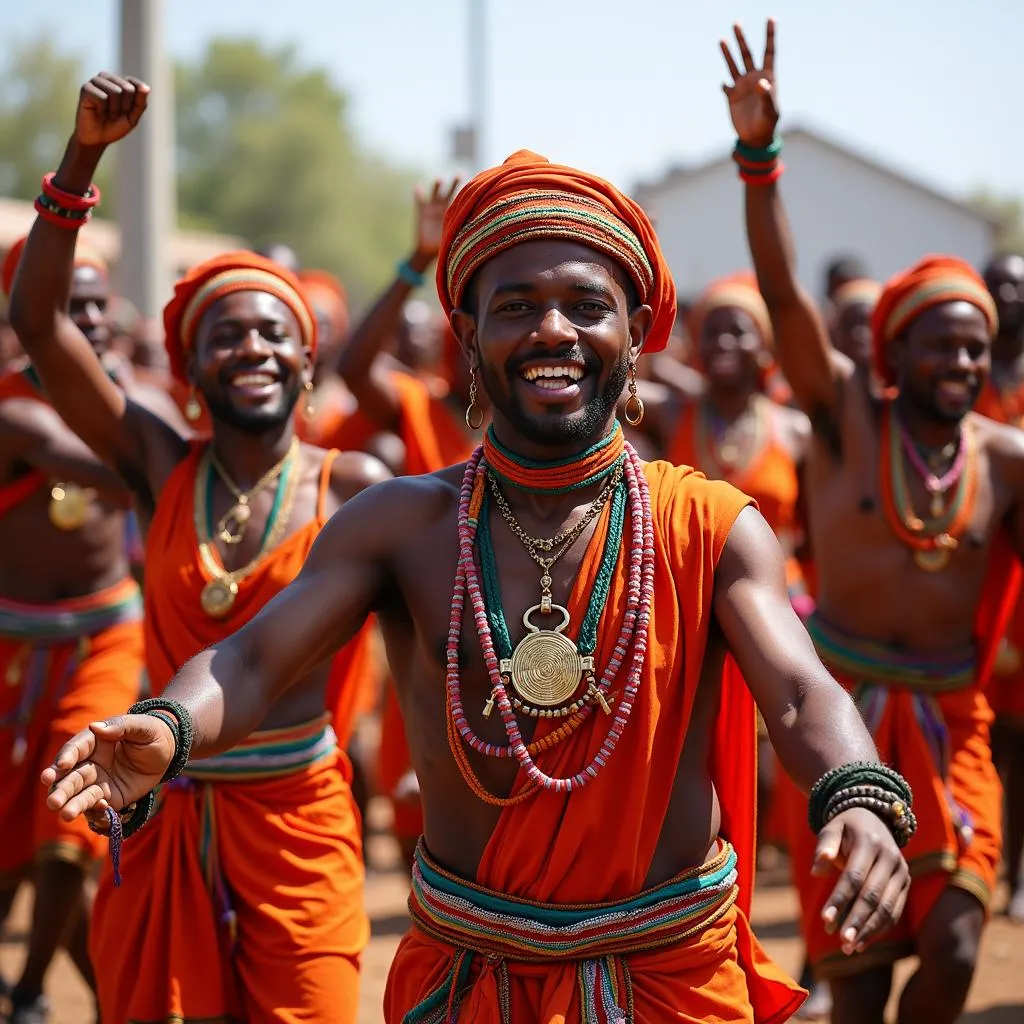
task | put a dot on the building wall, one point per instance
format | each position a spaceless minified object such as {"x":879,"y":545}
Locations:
{"x":836,"y":204}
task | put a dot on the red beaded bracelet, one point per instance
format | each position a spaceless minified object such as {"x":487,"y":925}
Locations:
{"x":69,"y":200}
{"x":762,"y":177}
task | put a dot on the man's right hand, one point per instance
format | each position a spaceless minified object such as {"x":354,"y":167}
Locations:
{"x":112,"y":763}
{"x":753,"y":102}
{"x":109,"y":107}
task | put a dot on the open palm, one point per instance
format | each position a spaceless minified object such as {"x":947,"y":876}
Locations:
{"x":752,"y":95}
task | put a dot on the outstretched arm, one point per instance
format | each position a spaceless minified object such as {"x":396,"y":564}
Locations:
{"x":813,"y":725}
{"x":229,"y":688}
{"x":813,"y":368}
{"x":359,"y":364}
{"x":121,"y":433}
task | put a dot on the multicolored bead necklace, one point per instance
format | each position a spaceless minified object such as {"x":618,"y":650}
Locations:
{"x":935,"y":538}
{"x":631,"y":645}
{"x":720,"y":453}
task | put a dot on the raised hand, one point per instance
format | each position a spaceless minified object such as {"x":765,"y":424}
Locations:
{"x":430,"y":210}
{"x":109,"y":107}
{"x":752,"y":96}
{"x":872,"y":889}
{"x":111,"y":763}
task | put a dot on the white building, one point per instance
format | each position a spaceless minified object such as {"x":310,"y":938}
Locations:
{"x":839,"y":203}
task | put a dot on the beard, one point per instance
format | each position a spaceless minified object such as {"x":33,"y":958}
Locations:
{"x":926,"y":403}
{"x":558,"y":429}
{"x":254,"y":421}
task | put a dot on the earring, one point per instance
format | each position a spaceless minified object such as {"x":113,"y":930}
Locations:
{"x":633,"y":410}
{"x":310,"y":409}
{"x":474,"y":414}
{"x":193,"y":410}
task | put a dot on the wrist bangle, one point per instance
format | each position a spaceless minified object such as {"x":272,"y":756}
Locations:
{"x":759,"y":165}
{"x":409,"y":274}
{"x":873,"y":787}
{"x":180,"y":723}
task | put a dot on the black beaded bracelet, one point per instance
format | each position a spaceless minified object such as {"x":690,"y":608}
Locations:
{"x":873,"y":786}
{"x":182,"y":734}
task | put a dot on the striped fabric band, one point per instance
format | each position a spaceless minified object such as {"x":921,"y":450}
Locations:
{"x":76,"y":617}
{"x":244,"y":279}
{"x":477,"y":921}
{"x":530,"y":215}
{"x":953,"y":288}
{"x":269,"y":754}
{"x":873,"y":662}
{"x":737,"y":295}
{"x":862,"y":291}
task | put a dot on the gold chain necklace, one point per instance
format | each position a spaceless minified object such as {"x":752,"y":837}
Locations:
{"x":231,"y":526}
{"x":546,"y":667}
{"x":563,"y":540}
{"x":218,"y":596}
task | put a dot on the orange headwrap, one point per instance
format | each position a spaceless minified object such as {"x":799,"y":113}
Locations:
{"x":528,"y":197}
{"x":326,"y":292}
{"x":223,"y":275}
{"x":933,"y":281}
{"x":861,"y":291}
{"x":86,"y":255}
{"x":737,"y":291}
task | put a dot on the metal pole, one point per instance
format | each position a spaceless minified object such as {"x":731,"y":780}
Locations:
{"x":478,"y":80}
{"x":146,"y":209}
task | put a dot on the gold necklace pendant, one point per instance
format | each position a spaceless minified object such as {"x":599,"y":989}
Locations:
{"x":936,"y":559}
{"x":231,"y":526}
{"x":218,"y":597}
{"x":69,"y":506}
{"x":546,"y":667}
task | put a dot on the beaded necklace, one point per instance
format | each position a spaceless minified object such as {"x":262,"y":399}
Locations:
{"x":560,"y":477}
{"x":631,"y":645}
{"x":729,"y":458}
{"x":933,"y":538}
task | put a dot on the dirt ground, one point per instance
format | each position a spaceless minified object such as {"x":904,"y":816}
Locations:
{"x":997,"y":996}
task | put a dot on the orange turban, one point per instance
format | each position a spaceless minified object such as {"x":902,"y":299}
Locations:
{"x":86,"y":255}
{"x":223,"y":275}
{"x":737,"y":291}
{"x":327,"y":293}
{"x":936,"y":279}
{"x":528,"y":197}
{"x":861,"y":291}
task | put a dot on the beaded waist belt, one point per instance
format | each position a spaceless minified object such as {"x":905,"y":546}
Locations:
{"x":60,"y":621}
{"x":270,"y":753}
{"x":872,"y":662}
{"x":478,"y":921}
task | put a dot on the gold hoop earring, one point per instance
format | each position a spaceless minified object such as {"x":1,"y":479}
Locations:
{"x":633,"y":410}
{"x":310,"y":410}
{"x":474,"y":414}
{"x":193,"y":410}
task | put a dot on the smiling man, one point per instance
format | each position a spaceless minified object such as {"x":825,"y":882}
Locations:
{"x":556,"y":614}
{"x":916,"y":508}
{"x":243,"y":898}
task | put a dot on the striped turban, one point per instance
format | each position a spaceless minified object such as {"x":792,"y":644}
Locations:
{"x":933,"y":281}
{"x":224,"y":275}
{"x":737,"y":291}
{"x":528,"y":198}
{"x":86,"y":255}
{"x":859,"y":292}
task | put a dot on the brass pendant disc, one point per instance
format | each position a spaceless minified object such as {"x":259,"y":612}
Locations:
{"x":218,"y":597}
{"x":69,"y":506}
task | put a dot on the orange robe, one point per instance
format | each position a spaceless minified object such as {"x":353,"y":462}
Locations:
{"x":935,"y":730}
{"x":433,"y":439}
{"x":597,"y":844}
{"x":242,"y":898}
{"x":63,"y":665}
{"x":1006,"y":689}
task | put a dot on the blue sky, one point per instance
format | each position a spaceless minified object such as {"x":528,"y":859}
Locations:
{"x":627,"y":88}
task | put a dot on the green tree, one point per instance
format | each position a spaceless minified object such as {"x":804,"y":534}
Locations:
{"x":1008,"y":213}
{"x":265,"y":151}
{"x":38,"y":95}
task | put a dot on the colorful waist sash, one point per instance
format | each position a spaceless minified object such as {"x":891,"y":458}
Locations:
{"x":269,"y":754}
{"x":60,"y":621}
{"x":882,"y":664}
{"x":477,"y":921}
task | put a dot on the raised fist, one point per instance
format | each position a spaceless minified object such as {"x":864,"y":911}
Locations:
{"x":109,"y":107}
